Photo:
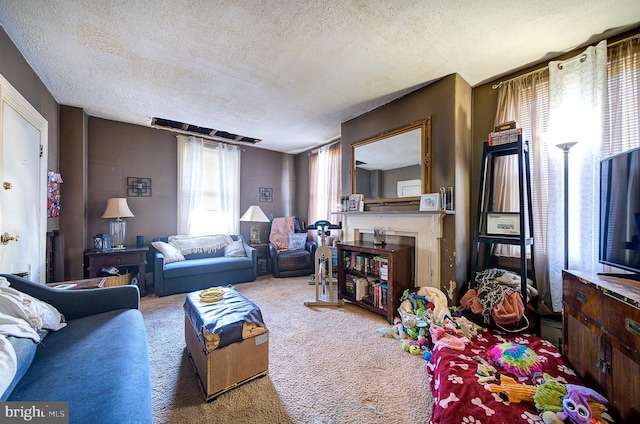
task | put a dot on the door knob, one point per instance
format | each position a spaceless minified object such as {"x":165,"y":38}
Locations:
{"x":6,"y":238}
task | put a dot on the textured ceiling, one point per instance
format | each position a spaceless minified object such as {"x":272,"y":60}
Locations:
{"x":287,"y":72}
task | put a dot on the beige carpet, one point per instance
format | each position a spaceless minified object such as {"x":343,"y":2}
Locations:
{"x":326,"y":365}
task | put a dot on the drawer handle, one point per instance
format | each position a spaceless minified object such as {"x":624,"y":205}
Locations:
{"x":582,"y":298}
{"x":632,"y":326}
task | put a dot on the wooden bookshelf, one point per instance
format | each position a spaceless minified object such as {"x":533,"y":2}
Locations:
{"x":359,"y":261}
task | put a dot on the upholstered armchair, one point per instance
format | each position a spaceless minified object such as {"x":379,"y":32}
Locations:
{"x":292,"y":254}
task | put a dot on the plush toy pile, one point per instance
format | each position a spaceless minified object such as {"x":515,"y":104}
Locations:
{"x":497,"y":376}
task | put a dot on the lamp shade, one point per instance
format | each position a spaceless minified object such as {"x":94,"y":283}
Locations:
{"x":117,"y":208}
{"x":254,"y":214}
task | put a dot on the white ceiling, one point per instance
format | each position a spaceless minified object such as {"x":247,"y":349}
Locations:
{"x":287,"y":72}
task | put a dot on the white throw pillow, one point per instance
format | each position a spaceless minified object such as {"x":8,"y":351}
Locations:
{"x":297,"y":241}
{"x":235,"y":249}
{"x":169,"y":252}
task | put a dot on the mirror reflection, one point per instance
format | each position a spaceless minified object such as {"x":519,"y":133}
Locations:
{"x":393,"y":165}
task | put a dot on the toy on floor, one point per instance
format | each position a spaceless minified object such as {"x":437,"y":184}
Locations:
{"x":326,"y":285}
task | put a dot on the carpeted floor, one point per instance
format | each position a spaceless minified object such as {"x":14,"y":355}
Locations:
{"x":326,"y":365}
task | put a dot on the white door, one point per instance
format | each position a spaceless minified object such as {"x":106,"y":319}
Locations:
{"x":23,"y":179}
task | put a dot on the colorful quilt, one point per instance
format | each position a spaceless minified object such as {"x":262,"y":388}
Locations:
{"x":460,"y":398}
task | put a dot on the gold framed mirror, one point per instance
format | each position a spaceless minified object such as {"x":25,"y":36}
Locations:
{"x":393,"y":166}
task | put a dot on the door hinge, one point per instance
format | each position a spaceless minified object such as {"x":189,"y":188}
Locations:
{"x":41,"y":150}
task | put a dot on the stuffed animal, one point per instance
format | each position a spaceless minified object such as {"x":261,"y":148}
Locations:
{"x":516,"y":392}
{"x":575,"y":404}
{"x":516,"y":358}
{"x":439,"y":300}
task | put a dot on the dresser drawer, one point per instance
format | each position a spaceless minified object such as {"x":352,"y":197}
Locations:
{"x":115,"y":259}
{"x":583,"y":298}
{"x":622,"y":321}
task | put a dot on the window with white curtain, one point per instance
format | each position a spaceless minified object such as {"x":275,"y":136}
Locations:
{"x":206,"y":215}
{"x":208,"y":187}
{"x":526,"y":99}
{"x":325,"y":184}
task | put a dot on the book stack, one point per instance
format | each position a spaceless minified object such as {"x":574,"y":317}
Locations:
{"x":509,"y":132}
{"x":384,"y":272}
{"x":380,"y":296}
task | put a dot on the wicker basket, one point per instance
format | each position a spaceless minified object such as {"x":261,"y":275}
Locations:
{"x":118,"y":280}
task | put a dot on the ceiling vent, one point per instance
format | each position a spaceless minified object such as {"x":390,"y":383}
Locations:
{"x":201,"y":131}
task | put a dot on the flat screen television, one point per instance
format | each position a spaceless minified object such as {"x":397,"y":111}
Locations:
{"x":620,"y":212}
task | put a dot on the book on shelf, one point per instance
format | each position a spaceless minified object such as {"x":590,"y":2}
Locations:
{"x":505,"y":126}
{"x":350,"y":285}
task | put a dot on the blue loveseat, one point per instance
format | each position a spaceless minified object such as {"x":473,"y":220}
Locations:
{"x":99,"y":362}
{"x":203,"y":270}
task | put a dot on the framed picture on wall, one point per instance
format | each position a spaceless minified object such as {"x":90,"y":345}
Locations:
{"x":430,"y":202}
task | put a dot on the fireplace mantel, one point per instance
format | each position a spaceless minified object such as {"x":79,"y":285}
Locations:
{"x":424,"y":228}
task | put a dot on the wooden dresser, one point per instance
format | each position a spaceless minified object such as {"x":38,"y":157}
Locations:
{"x":601,"y":338}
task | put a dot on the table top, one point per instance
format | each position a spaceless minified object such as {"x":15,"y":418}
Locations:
{"x":126,"y":249}
{"x":89,"y":283}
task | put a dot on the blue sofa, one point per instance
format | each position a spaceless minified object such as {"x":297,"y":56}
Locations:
{"x":203,"y":270}
{"x":99,"y":362}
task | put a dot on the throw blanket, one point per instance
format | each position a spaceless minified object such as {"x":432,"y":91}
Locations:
{"x":20,"y":316}
{"x":280,"y":229}
{"x":8,"y":363}
{"x":199,"y":244}
{"x":38,"y":314}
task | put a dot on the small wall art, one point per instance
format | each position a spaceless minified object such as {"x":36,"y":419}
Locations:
{"x":138,"y":187}
{"x":266,"y":194}
{"x":53,"y":194}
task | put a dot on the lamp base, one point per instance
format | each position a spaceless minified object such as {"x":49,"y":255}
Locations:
{"x":118,"y":229}
{"x":255,"y":235}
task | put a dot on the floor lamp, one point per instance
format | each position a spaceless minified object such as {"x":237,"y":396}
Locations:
{"x":565,"y":147}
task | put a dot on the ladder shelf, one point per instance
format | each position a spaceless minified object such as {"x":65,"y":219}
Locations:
{"x":524,"y":236}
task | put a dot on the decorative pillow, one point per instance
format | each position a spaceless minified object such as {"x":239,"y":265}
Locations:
{"x":297,"y":241}
{"x":235,"y":249}
{"x":169,"y":252}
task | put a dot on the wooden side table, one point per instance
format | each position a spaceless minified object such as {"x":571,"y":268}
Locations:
{"x":264,"y":262}
{"x":129,"y":256}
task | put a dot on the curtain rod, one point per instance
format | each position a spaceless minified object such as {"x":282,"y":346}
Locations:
{"x":536,"y":71}
{"x":497,"y":85}
{"x":314,"y":151}
{"x":209,"y":138}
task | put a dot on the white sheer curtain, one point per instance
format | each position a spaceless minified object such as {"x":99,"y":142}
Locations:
{"x":577,"y":90}
{"x":190,"y":165}
{"x":325,"y":178}
{"x":228,"y":157}
{"x":526,"y":99}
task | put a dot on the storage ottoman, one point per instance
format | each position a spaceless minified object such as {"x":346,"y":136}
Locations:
{"x":227,"y":340}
